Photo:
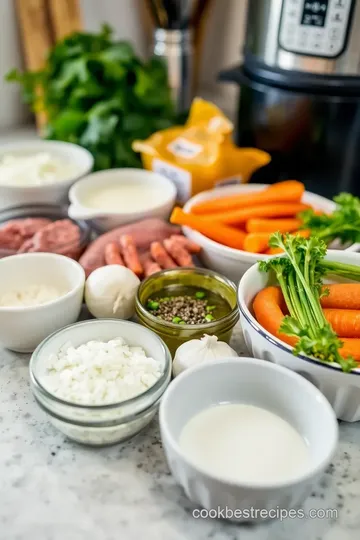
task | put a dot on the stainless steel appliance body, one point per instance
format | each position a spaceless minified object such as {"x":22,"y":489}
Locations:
{"x":312,"y":36}
{"x":300,"y":91}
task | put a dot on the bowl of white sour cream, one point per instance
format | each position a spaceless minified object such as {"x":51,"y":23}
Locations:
{"x":250,"y":436}
{"x":118,"y":196}
{"x":100,"y":381}
{"x":38,"y":171}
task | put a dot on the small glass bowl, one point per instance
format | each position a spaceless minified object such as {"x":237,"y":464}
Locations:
{"x":53,"y":212}
{"x":174,"y":334}
{"x":101,"y":425}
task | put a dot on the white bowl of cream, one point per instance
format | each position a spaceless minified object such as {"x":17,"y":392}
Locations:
{"x":41,"y":172}
{"x":118,"y":196}
{"x":244,"y":433}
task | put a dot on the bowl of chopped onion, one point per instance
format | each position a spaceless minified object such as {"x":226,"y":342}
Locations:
{"x":100,"y":381}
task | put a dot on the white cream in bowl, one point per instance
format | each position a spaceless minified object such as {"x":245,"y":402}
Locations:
{"x":244,"y":443}
{"x":242,"y":433}
{"x":35,"y":169}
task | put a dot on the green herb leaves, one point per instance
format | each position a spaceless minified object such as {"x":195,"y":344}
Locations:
{"x":343,"y":223}
{"x":97,"y":93}
{"x":299,"y":273}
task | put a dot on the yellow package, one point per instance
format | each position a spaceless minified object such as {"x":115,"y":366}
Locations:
{"x":201,"y":154}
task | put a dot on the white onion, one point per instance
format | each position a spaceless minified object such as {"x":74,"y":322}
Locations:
{"x":110,"y":292}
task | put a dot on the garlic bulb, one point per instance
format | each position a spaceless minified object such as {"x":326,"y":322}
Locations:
{"x":110,"y":292}
{"x":196,"y":351}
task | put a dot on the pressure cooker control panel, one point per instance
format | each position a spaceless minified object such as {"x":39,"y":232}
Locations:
{"x":315,"y":27}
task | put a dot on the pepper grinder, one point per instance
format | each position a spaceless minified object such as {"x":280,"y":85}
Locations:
{"x":177,"y":40}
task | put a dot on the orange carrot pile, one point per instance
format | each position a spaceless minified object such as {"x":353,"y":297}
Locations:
{"x":247,"y":220}
{"x":345,"y":322}
{"x":229,"y":236}
{"x":289,"y":191}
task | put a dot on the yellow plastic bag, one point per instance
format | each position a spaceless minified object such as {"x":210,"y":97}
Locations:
{"x":201,"y":154}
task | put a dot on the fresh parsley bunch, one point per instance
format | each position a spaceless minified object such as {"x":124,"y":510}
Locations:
{"x":98,"y":93}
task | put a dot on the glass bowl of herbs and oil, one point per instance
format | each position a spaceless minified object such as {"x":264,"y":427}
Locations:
{"x":185,"y":303}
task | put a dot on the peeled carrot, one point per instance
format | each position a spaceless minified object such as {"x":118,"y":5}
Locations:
{"x":351,"y":347}
{"x":345,"y":322}
{"x":342,"y":296}
{"x":262,"y":225}
{"x":268,"y":311}
{"x":274,"y":251}
{"x":256,"y":242}
{"x":274,"y":210}
{"x":289,"y":191}
{"x":228,"y":236}
{"x":112,"y":254}
{"x":130,"y":254}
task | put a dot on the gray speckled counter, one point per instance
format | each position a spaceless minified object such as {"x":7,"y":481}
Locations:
{"x":53,"y":489}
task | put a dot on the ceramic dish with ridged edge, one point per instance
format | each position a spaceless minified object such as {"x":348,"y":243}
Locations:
{"x":341,"y":389}
{"x":262,"y":384}
{"x":231,"y":262}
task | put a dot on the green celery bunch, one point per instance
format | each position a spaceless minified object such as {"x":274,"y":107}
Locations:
{"x":300,"y":275}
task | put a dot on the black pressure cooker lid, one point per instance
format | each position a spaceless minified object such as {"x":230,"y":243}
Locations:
{"x":253,"y":71}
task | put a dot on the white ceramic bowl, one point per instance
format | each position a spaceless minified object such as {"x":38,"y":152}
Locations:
{"x":105,"y":220}
{"x":55,"y":193}
{"x":101,"y":425}
{"x":230,"y":262}
{"x":250,"y":381}
{"x":23,"y":328}
{"x":341,"y":389}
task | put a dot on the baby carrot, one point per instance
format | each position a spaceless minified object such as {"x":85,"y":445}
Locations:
{"x":342,"y":296}
{"x":228,"y":236}
{"x":256,"y":242}
{"x":345,"y":322}
{"x":112,"y":254}
{"x":274,"y":210}
{"x":289,"y":191}
{"x":268,"y":312}
{"x":258,"y":225}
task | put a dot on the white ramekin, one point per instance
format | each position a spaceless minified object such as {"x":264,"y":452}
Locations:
{"x":263,"y":384}
{"x":23,"y":328}
{"x":106,"y":220}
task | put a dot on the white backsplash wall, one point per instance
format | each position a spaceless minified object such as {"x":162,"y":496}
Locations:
{"x":222,"y":46}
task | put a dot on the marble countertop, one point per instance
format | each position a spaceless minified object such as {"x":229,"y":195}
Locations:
{"x":54,"y":489}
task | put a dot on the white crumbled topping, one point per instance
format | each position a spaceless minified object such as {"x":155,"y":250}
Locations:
{"x":98,"y":373}
{"x":34,"y":169}
{"x":32,"y":295}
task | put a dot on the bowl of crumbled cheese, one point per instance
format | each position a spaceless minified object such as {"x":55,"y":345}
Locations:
{"x":100,"y":381}
{"x":39,"y":293}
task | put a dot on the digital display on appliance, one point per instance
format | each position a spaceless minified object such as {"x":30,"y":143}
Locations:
{"x":314,"y":12}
